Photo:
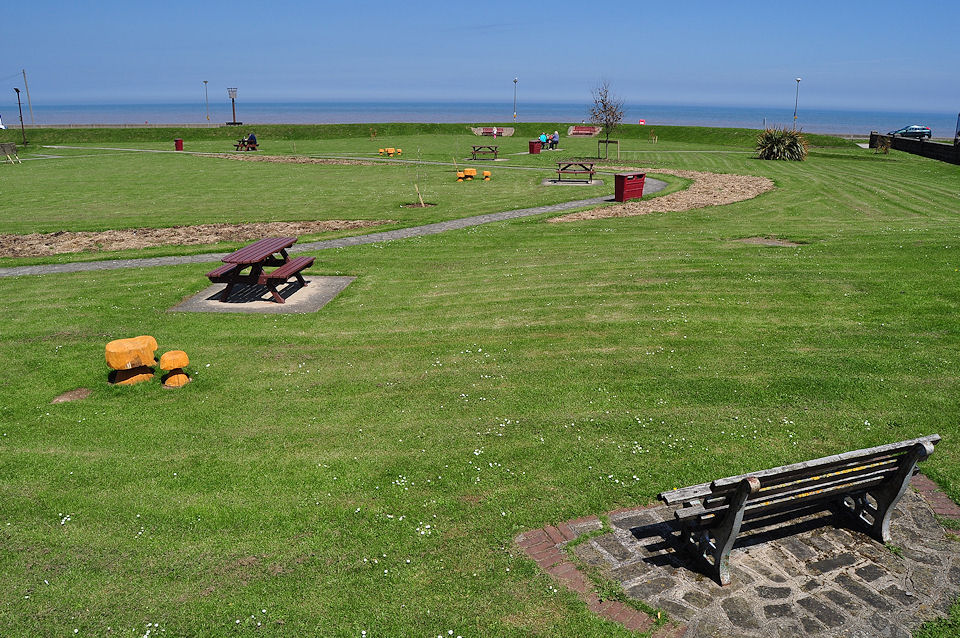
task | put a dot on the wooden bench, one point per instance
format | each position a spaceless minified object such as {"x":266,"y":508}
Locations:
{"x":485,"y":149}
{"x":583,"y":131}
{"x":244,"y":145}
{"x":575,"y":168}
{"x":280,"y":275}
{"x":861,"y":486}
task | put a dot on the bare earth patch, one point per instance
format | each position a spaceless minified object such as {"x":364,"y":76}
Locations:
{"x":767,"y":241}
{"x":72,"y":395}
{"x":44,"y":244}
{"x":707,"y":189}
{"x":289,"y":159}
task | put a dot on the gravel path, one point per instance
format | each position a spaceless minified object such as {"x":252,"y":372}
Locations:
{"x":651,"y":186}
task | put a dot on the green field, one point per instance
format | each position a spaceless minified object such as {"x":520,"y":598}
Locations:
{"x":480,"y":382}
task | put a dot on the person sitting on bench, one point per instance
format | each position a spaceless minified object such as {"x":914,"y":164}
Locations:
{"x":251,"y":139}
{"x":554,"y":140}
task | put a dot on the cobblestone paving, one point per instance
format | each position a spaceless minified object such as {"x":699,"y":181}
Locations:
{"x":651,"y":186}
{"x":805,"y":577}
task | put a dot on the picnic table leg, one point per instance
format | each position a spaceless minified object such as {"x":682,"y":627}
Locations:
{"x":273,"y":291}
{"x":226,"y":291}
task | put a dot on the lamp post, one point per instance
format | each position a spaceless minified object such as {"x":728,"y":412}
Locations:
{"x":19,"y":106}
{"x":796,"y":101}
{"x":206,"y":99}
{"x":515,"y":80}
{"x":232,"y":92}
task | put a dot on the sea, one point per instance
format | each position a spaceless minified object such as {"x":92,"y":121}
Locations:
{"x":831,"y":121}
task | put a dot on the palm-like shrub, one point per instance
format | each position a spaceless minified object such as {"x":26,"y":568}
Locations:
{"x":781,"y":144}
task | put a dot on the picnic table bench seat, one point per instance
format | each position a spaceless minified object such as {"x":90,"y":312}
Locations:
{"x":862,"y":487}
{"x":222,"y":274}
{"x":280,"y":275}
{"x":244,"y":145}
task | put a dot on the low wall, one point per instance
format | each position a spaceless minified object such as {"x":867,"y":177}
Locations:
{"x":934,"y":150}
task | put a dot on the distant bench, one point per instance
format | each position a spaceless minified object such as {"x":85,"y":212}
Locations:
{"x":502,"y":131}
{"x":583,"y":131}
{"x":864,"y":486}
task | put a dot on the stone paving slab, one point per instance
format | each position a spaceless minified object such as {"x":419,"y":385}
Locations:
{"x":805,"y":577}
{"x":252,"y":298}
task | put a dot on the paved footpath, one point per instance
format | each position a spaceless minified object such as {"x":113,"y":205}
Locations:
{"x":651,"y":186}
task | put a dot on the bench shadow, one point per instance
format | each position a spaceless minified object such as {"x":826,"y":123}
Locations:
{"x":247,"y":293}
{"x":662,"y":546}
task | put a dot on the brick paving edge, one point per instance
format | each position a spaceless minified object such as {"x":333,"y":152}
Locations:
{"x":546,"y":546}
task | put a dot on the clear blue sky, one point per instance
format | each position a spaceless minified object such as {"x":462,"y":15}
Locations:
{"x":851,"y":54}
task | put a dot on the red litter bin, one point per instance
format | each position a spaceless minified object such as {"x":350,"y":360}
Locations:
{"x":178,"y":144}
{"x":627,"y":186}
{"x":534,"y":147}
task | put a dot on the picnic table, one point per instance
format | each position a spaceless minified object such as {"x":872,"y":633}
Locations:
{"x":267,"y":252}
{"x":485,"y":149}
{"x":245,"y":145}
{"x":575,"y":168}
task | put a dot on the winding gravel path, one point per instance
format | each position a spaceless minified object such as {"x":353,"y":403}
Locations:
{"x":651,"y":186}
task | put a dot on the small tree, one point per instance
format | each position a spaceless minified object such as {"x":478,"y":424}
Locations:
{"x":607,"y":110}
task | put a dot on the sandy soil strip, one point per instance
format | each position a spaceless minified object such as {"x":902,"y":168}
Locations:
{"x":707,"y":189}
{"x":44,"y":244}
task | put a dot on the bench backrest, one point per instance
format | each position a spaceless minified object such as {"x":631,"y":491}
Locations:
{"x":802,"y":484}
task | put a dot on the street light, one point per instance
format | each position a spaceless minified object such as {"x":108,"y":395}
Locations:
{"x":19,"y":106}
{"x":232,"y":92}
{"x":795,"y":102}
{"x":206,"y":99}
{"x":515,"y":101}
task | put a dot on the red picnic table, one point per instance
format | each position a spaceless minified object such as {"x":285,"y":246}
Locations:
{"x":267,"y":252}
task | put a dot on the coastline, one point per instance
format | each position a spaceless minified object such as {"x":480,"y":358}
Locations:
{"x":191,"y":115}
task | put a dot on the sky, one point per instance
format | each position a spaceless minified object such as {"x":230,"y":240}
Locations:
{"x":850,"y":54}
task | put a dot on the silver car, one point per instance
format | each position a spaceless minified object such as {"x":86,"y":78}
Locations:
{"x":913,"y":131}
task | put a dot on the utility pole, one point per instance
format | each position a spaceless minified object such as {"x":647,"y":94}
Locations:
{"x":27,"y":89}
{"x":22,"y":132}
{"x":206,"y":99}
{"x":796,"y":101}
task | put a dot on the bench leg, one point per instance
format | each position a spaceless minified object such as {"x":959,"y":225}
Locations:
{"x":873,"y":514}
{"x":712,"y":545}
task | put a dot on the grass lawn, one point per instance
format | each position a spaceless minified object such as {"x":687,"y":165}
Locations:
{"x":365,"y":468}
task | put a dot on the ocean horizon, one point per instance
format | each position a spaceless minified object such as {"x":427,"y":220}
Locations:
{"x":830,"y":121}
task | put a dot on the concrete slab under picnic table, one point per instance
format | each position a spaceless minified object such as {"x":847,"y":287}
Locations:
{"x":254,"y":298}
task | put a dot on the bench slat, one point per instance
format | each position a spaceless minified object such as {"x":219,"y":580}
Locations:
{"x":673,"y":497}
{"x":260,"y":249}
{"x":820,"y":491}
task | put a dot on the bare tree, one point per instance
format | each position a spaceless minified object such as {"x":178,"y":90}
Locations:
{"x":607,"y":109}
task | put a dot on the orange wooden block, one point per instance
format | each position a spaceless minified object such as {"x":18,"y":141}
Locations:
{"x":124,"y":354}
